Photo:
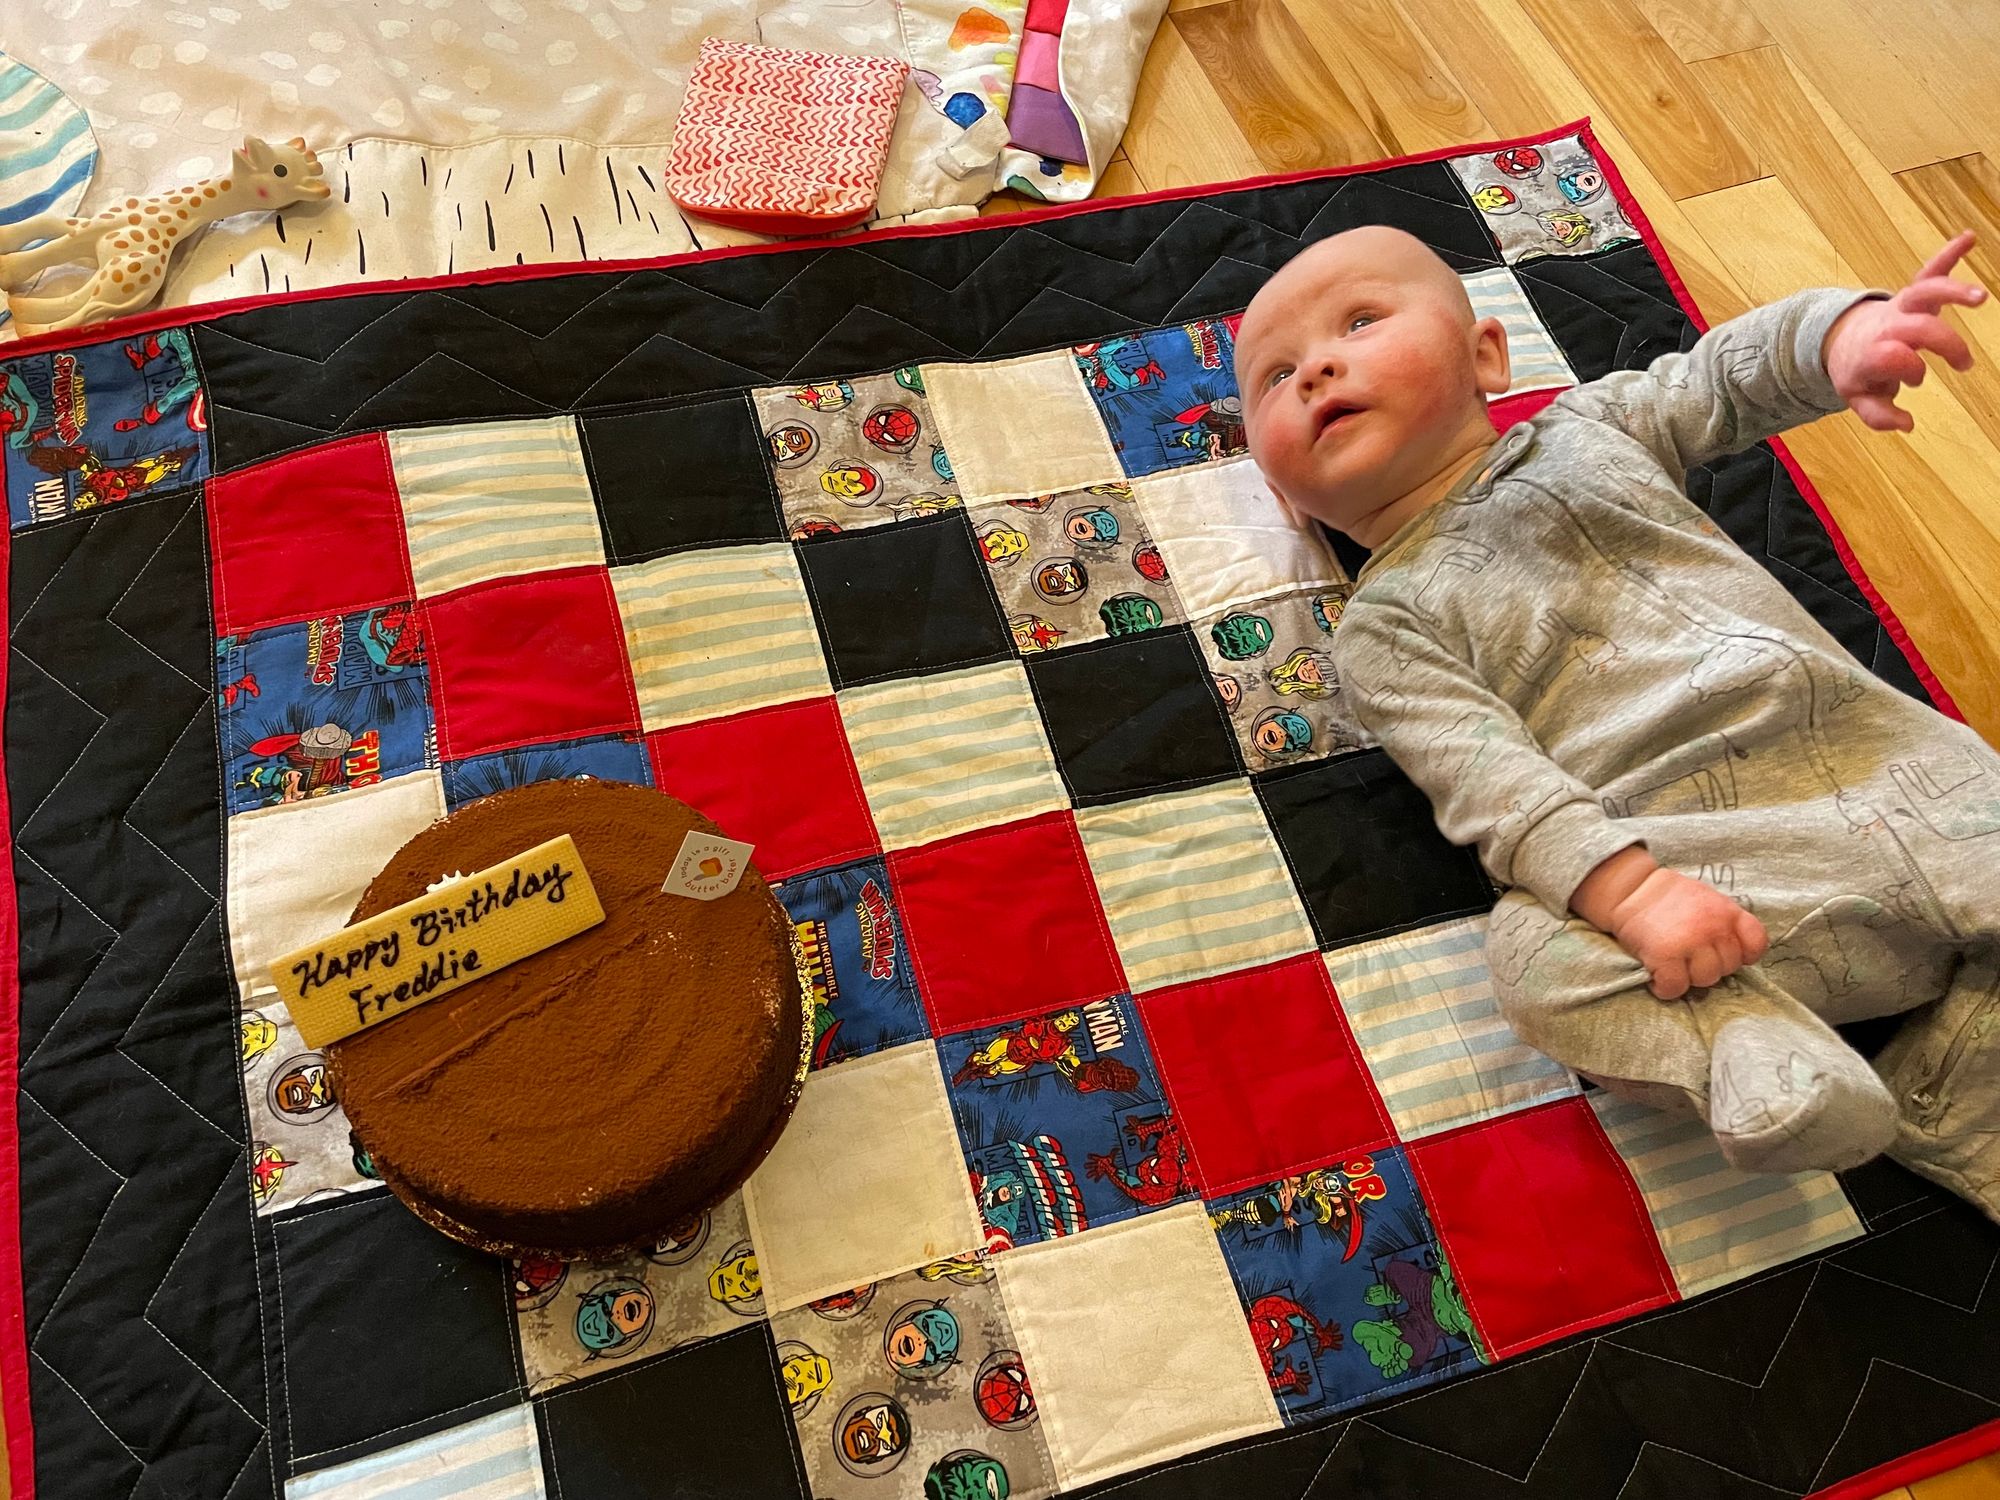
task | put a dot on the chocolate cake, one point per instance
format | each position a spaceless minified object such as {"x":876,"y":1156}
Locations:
{"x":588,"y":1098}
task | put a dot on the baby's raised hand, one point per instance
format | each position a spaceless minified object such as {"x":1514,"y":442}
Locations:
{"x":1686,"y":932}
{"x":1872,"y":349}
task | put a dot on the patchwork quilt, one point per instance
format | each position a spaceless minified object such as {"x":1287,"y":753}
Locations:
{"x":1162,"y":1138}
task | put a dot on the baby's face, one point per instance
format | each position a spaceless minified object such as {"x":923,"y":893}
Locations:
{"x":1360,"y":362}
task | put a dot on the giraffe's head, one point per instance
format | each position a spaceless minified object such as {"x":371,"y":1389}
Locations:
{"x":285,"y":172}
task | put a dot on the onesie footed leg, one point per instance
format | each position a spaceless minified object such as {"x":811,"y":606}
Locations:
{"x":1789,"y":1098}
{"x":1775,"y":1083}
{"x":1943,"y":1068}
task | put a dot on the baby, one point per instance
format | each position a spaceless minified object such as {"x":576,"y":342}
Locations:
{"x":1715,"y":834}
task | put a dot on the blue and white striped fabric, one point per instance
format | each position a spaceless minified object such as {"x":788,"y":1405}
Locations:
{"x":495,"y":1458}
{"x":1194,"y":885}
{"x":1536,"y":361}
{"x":1716,"y":1224}
{"x":47,"y":151}
{"x":490,"y":499}
{"x":1421,"y":1005}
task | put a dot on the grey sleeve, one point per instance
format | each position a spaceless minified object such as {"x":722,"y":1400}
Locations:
{"x":1489,"y":781}
{"x":1745,"y":380}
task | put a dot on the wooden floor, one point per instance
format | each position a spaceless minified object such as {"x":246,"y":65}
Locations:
{"x":1775,"y":144}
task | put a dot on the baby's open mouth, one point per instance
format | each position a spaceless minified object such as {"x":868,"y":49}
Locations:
{"x":1338,"y":417}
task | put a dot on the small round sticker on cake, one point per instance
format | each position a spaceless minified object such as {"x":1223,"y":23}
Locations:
{"x":707,"y":866}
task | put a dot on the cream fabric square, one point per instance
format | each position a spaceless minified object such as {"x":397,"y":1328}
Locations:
{"x":944,"y":754}
{"x":488,"y":499}
{"x":1716,"y":1224}
{"x":296,"y":870}
{"x":1537,"y":364}
{"x":866,"y":1181}
{"x":1421,"y":1006}
{"x":717,"y":631}
{"x":1193,"y":884}
{"x":1226,"y":538}
{"x":1136,"y":1342}
{"x":1020,"y":427}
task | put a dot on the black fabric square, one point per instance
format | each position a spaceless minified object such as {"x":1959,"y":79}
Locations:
{"x":1752,"y":496}
{"x":1610,"y":311}
{"x":1131,"y":715}
{"x":680,"y":477}
{"x":897,"y":600}
{"x":1365,"y":851}
{"x":391,"y":1330}
{"x":707,"y":1422}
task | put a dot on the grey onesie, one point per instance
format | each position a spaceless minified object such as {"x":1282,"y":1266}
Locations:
{"x":1570,"y":658}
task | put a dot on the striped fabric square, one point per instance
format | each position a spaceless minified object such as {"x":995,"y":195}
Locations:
{"x":494,"y":1458}
{"x":946,"y":754}
{"x":1716,"y":1224}
{"x":718,"y":631}
{"x":1421,"y":1006}
{"x":1193,"y":884}
{"x":1538,"y":365}
{"x":487,"y":499}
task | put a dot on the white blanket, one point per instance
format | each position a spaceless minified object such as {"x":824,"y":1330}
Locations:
{"x":469,"y":133}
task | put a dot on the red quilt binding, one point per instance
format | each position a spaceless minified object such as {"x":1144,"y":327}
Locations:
{"x":1924,"y":1462}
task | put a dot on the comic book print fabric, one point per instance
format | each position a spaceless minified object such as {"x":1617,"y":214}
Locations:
{"x":1167,"y":1099}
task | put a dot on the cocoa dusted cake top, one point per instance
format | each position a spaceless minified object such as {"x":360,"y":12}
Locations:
{"x":591,"y":1096}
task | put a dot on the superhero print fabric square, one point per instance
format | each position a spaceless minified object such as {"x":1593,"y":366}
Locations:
{"x":100,"y":424}
{"x":1064,"y":1122}
{"x":610,"y":757}
{"x":859,"y":452}
{"x":919,"y":1377}
{"x":301,"y":1150}
{"x":853,"y":956}
{"x":1168,"y":396}
{"x":323,"y":706}
{"x":1272,"y":664}
{"x":577,"y":1320}
{"x":1346,"y":1291}
{"x":1547,"y":199}
{"x":1074,"y":567}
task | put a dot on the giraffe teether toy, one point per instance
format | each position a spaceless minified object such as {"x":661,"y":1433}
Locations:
{"x":131,"y":242}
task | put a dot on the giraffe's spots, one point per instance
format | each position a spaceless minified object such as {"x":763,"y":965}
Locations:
{"x":117,"y":275}
{"x":131,"y":218}
{"x":180,"y":213}
{"x":208,"y":192}
{"x":131,"y":202}
{"x":225,"y":184}
{"x":173,"y":197}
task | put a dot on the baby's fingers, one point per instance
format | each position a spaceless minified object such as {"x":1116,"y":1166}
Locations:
{"x":1928,"y":294}
{"x":1949,"y":254}
{"x":1750,"y":932}
{"x":1670,"y":979}
{"x":1927,"y":331}
{"x":1882,"y":414}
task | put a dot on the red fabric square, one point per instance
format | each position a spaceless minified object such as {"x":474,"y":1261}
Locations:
{"x":521,"y":660}
{"x":1542,"y":1224}
{"x":781,"y":778}
{"x":1005,"y":923}
{"x":1262,"y":1073}
{"x":1508,"y":410}
{"x":314,"y":533}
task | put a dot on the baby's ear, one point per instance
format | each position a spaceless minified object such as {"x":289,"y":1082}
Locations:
{"x":1490,"y":362}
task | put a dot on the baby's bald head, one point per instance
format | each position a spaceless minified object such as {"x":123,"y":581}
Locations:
{"x":1359,"y":361}
{"x":1378,"y":252}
